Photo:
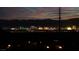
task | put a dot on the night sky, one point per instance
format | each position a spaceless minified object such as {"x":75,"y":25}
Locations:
{"x":38,"y":13}
{"x":69,"y":12}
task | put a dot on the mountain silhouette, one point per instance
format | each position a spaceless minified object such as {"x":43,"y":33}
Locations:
{"x":72,"y":21}
{"x":37,"y":22}
{"x":29,"y":22}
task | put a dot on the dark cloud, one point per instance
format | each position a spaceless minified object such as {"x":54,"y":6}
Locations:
{"x":29,"y":12}
{"x":69,"y":12}
{"x":38,"y":12}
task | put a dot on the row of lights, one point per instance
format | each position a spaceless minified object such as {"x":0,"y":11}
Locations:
{"x":60,"y":47}
{"x":47,"y":46}
{"x":69,"y":28}
{"x":51,"y":28}
{"x":45,"y":28}
{"x":33,"y":27}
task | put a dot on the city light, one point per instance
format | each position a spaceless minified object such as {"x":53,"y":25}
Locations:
{"x":69,"y":28}
{"x":40,"y":28}
{"x":29,"y":42}
{"x":74,"y":27}
{"x":40,"y":42}
{"x":9,"y":45}
{"x":30,"y":29}
{"x":46,"y":28}
{"x":13,"y":28}
{"x":60,"y":47}
{"x":52,"y":28}
{"x":47,"y":47}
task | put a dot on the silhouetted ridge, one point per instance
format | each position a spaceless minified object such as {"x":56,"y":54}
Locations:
{"x":29,"y":22}
{"x":73,"y":21}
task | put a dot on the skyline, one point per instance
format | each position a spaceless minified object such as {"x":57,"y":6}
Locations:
{"x":38,"y":13}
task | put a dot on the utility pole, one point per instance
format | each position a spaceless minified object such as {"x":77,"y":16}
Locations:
{"x":59,"y":19}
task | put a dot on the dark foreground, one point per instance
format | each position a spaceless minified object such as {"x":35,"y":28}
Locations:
{"x":31,"y":41}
